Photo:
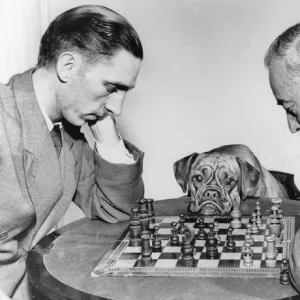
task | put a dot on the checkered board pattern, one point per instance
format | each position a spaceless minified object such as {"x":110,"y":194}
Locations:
{"x":124,"y":260}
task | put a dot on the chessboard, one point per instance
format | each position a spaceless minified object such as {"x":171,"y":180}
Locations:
{"x":125,"y":260}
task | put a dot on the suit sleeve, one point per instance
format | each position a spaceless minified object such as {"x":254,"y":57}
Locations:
{"x":106,"y":190}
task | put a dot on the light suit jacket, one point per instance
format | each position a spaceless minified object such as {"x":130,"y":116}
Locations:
{"x":36,"y":187}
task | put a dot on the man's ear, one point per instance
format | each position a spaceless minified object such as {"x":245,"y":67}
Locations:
{"x":250,"y":177}
{"x":182,"y":169}
{"x":68,"y":64}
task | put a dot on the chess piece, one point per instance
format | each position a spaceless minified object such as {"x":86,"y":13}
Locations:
{"x":211,"y":246}
{"x":236,"y":216}
{"x":156,"y":242}
{"x":135,"y":228}
{"x":211,"y":227}
{"x":187,"y":253}
{"x":230,"y":243}
{"x":201,"y":233}
{"x":247,"y":256}
{"x":144,"y":217}
{"x":181,"y":222}
{"x":248,"y":237}
{"x":274,"y":209}
{"x":271,"y":252}
{"x":146,"y":251}
{"x":254,"y":228}
{"x":174,"y":238}
{"x":258,"y":214}
{"x":216,"y":230}
{"x":284,"y":273}
{"x":275,"y":227}
{"x":150,"y":209}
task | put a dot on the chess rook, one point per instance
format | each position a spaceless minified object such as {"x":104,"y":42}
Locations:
{"x":271,"y":252}
{"x":135,"y":228}
{"x":146,"y":251}
{"x":150,"y":209}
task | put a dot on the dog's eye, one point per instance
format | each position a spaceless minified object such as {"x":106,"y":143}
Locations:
{"x":229,"y":180}
{"x":198,"y":178}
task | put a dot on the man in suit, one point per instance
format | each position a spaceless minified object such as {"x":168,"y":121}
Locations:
{"x":89,"y":58}
{"x":283,"y":62}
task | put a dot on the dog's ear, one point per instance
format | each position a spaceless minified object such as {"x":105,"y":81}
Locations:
{"x":249,"y":180}
{"x":182,"y":169}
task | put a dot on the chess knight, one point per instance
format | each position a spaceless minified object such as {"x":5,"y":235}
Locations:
{"x":218,"y":179}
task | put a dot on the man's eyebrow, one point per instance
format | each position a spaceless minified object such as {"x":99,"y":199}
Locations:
{"x":119,"y":85}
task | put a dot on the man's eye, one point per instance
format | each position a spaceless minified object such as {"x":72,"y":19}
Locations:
{"x":111,"y":89}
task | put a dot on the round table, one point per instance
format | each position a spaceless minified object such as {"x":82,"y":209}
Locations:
{"x":60,"y":266}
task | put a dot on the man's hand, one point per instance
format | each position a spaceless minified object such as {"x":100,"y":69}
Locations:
{"x":105,"y":132}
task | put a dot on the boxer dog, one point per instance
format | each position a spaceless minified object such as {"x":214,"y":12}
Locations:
{"x":217,"y":180}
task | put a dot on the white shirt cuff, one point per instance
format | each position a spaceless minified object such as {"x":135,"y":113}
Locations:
{"x":117,"y":155}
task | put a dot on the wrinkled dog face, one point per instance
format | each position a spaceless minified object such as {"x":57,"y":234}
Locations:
{"x":213,"y":185}
{"x":212,"y":181}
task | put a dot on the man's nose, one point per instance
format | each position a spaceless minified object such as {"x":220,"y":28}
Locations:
{"x":114,"y":104}
{"x":294,"y":126}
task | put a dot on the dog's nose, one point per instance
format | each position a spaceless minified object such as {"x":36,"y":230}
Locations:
{"x":212,"y":195}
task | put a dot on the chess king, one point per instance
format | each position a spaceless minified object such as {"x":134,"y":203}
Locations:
{"x":217,"y":180}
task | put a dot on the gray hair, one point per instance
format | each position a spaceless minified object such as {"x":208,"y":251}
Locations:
{"x":286,"y":47}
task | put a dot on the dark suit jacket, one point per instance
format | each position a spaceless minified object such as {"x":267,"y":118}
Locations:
{"x":36,"y":187}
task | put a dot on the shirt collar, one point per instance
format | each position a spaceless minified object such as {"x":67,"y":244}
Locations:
{"x":49,"y":123}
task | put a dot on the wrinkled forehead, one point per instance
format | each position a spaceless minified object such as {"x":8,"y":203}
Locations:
{"x":214,"y":161}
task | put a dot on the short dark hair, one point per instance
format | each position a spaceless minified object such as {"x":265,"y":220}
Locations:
{"x":93,"y":31}
{"x":286,"y":47}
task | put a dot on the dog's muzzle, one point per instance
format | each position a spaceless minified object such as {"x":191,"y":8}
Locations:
{"x":209,"y":201}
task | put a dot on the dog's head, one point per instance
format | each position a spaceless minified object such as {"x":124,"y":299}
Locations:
{"x":215,"y":181}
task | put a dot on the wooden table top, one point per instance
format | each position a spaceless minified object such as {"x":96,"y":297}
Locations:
{"x":60,"y":266}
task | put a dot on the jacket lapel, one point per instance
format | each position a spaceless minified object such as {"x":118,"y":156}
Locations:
{"x":41,"y":165}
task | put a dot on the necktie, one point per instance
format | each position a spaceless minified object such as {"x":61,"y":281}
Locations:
{"x":56,"y":137}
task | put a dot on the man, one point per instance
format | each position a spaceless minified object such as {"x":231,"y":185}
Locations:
{"x":283,"y":62}
{"x":89,"y":58}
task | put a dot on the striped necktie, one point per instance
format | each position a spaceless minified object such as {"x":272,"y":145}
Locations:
{"x":56,"y":137}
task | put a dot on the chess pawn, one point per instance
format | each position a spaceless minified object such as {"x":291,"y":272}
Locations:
{"x":247,"y":256}
{"x":181,"y":222}
{"x":156,"y":242}
{"x":174,"y":238}
{"x":248,"y":237}
{"x":284,"y":274}
{"x":216,"y":230}
{"x":201,"y":233}
{"x":187,"y":254}
{"x":230,"y":244}
{"x":211,"y":246}
{"x":236,"y":216}
{"x":254,"y":228}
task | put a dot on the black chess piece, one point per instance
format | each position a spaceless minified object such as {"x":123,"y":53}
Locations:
{"x":201,"y":233}
{"x":174,"y":238}
{"x":211,"y":246}
{"x":150,"y":209}
{"x":146,"y":251}
{"x":181,"y":222}
{"x":156,"y":243}
{"x":284,"y":274}
{"x":135,"y":228}
{"x":187,"y":253}
{"x":230,"y":243}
